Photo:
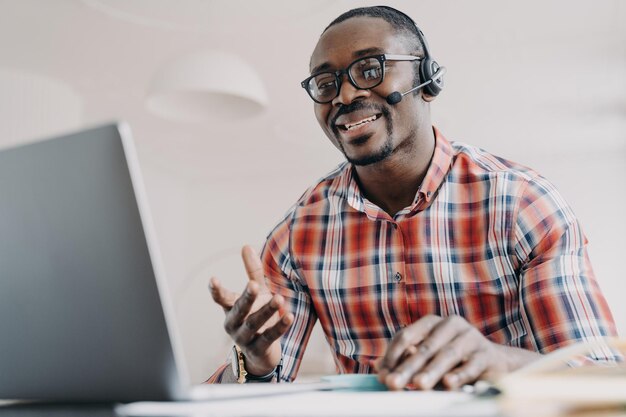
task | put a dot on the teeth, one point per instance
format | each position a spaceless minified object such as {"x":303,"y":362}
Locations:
{"x":360,"y":122}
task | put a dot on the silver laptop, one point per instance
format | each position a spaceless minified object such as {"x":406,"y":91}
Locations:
{"x":84,"y":307}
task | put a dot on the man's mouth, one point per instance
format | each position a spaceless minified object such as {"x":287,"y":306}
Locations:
{"x":357,"y":124}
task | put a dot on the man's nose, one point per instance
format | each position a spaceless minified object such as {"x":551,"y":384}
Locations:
{"x":348,"y":93}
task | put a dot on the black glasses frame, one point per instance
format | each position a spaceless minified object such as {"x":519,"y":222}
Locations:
{"x":339,"y":74}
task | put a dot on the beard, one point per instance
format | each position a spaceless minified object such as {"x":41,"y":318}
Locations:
{"x":381,"y":154}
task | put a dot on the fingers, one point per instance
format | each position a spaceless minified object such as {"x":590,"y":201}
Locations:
{"x":407,"y":338}
{"x":221,"y":295}
{"x":253,"y":265}
{"x":469,"y":372}
{"x":450,"y":342}
{"x":269,"y":336}
{"x":244,"y":326}
{"x":449,"y":357}
{"x":255,"y":321}
{"x":416,"y":357}
{"x":241,"y":308}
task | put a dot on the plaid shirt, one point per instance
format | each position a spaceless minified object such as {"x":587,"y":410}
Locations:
{"x":485,"y":238}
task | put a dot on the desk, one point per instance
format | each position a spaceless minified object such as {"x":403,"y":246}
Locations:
{"x":107,"y":410}
{"x":310,"y":404}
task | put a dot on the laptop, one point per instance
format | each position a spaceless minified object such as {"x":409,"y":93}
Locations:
{"x":84,"y":308}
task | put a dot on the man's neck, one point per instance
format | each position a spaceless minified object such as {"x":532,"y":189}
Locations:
{"x":393,"y":183}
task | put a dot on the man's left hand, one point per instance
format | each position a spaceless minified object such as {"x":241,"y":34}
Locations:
{"x":446,"y":350}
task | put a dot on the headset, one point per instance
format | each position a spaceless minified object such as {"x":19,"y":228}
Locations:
{"x":430,"y":72}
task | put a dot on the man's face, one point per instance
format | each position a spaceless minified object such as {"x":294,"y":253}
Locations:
{"x":360,"y":122}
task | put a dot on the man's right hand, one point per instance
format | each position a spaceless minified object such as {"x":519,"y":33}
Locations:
{"x":251,"y":318}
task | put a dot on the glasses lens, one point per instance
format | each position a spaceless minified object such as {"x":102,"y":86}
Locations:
{"x":367,"y":72}
{"x":323,"y":87}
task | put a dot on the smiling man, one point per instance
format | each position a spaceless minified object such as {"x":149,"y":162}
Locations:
{"x":426,"y":261}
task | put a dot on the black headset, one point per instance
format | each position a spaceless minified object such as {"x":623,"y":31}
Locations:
{"x":428,"y":66}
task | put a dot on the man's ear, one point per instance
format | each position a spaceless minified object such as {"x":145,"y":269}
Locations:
{"x":428,"y":98}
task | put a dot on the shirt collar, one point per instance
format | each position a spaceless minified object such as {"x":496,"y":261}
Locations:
{"x":435,"y":176}
{"x":437,"y":170}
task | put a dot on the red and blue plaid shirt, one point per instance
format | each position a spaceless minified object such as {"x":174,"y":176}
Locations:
{"x":485,"y":238}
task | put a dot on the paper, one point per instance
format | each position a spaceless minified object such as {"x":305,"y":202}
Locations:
{"x":550,"y":379}
{"x":212,"y":392}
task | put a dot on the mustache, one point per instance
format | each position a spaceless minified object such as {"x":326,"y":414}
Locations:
{"x":354,"y":106}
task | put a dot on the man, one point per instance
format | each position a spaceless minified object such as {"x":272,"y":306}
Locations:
{"x":426,"y":261}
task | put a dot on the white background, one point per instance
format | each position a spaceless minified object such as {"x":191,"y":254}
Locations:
{"x":539,"y":82}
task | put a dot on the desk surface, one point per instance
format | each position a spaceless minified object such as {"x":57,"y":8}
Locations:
{"x":108,"y":410}
{"x":309,"y":404}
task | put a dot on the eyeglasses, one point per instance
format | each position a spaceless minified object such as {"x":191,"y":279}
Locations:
{"x":364,"y":73}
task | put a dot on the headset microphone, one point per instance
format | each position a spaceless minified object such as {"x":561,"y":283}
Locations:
{"x":396,"y":96}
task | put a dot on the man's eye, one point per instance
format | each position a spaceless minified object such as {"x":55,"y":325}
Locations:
{"x":371,"y":73}
{"x":325,"y":85}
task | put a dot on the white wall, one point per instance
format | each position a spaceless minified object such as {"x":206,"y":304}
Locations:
{"x":538,"y":82}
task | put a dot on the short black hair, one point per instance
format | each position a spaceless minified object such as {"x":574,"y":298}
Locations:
{"x":398,"y":20}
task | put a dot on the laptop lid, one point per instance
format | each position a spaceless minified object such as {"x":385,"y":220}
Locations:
{"x":81,"y":314}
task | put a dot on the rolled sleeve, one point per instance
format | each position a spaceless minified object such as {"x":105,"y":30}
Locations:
{"x":282,"y":278}
{"x":560,"y":297}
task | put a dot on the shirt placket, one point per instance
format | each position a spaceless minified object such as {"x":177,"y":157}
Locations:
{"x":398,"y":274}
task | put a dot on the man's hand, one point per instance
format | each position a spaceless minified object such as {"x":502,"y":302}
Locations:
{"x":446,"y":350}
{"x":251,"y":318}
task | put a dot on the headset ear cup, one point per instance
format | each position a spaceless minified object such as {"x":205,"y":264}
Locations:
{"x":427,"y":68}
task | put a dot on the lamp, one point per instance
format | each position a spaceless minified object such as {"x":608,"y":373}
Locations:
{"x":206,"y":85}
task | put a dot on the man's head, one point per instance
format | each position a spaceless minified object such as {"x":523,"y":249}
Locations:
{"x":402,"y":23}
{"x":359,"y":121}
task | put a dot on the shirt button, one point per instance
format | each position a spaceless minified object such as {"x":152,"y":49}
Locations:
{"x":398,"y":277}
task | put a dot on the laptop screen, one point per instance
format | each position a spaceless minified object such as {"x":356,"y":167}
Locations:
{"x":80,"y":313}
